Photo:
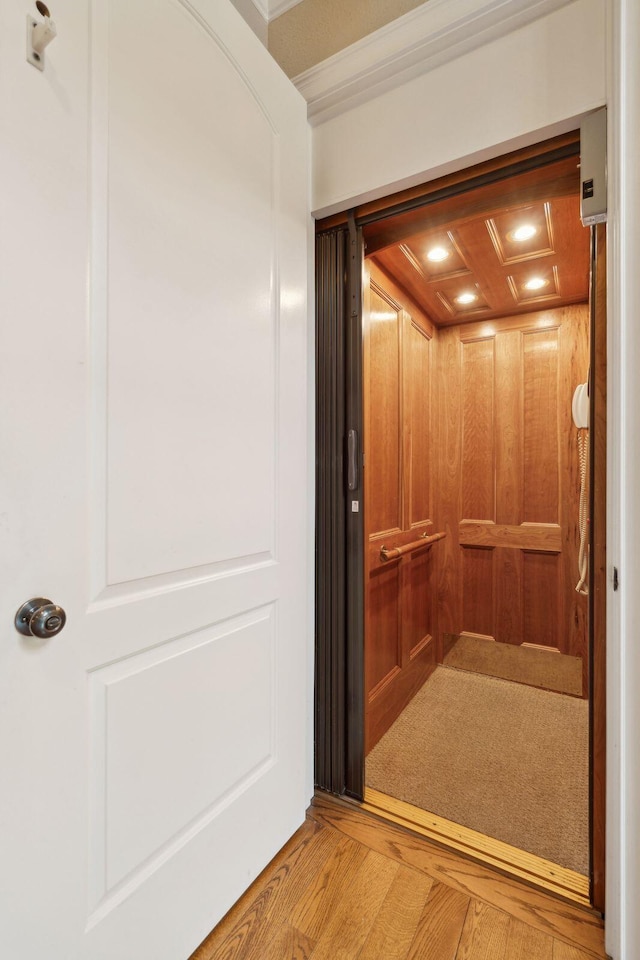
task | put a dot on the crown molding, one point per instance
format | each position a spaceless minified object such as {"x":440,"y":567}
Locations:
{"x":259,"y":13}
{"x":278,"y":7}
{"x":270,"y":9}
{"x":250,"y":13}
{"x":262,"y":6}
{"x":419,"y":41}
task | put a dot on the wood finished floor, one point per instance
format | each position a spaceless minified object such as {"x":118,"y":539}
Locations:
{"x":348,"y":886}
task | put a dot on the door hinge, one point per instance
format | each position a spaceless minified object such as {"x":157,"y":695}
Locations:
{"x":615,"y":578}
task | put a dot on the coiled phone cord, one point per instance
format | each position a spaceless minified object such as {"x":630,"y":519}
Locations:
{"x":583,"y":513}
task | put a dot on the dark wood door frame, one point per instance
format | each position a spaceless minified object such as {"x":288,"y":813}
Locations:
{"x":339,"y":509}
{"x":598,"y":569}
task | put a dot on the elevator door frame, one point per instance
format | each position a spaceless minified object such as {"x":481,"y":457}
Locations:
{"x":340,"y":698}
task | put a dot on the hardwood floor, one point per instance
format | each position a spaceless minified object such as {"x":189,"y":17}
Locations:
{"x":349,"y":886}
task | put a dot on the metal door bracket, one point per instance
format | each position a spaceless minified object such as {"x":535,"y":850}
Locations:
{"x":39,"y":36}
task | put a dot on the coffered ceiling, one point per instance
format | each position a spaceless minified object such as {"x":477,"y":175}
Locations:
{"x":488,"y":266}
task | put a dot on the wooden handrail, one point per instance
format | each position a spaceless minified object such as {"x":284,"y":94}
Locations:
{"x":424,"y":541}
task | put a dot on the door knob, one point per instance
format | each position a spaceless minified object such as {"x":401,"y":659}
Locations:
{"x":39,"y":617}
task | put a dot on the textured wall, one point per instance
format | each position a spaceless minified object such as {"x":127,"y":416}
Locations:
{"x":315,"y":29}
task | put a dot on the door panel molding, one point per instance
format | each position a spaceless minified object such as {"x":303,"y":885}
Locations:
{"x":126,"y":844}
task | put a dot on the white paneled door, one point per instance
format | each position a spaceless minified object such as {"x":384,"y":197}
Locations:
{"x":153,"y":398}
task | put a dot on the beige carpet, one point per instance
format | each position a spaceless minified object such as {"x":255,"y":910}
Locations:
{"x":538,"y":668}
{"x":499,"y":757}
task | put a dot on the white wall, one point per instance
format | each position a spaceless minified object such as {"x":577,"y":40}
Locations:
{"x":513,"y":91}
{"x":522,"y":87}
{"x":250,"y":13}
{"x":623,"y":662}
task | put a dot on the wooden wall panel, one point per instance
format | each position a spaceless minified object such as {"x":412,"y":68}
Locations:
{"x":417,"y":605}
{"x":509,"y":426}
{"x":418,"y":423}
{"x":384,"y":653}
{"x":385,"y":412}
{"x":478,"y":447}
{"x":477,"y":601}
{"x":507,"y":572}
{"x":544,"y":537}
{"x":448,"y":502}
{"x":541,"y":489}
{"x":542,"y":587}
{"x":399,"y":295}
{"x":516,"y":377}
{"x":400,"y":600}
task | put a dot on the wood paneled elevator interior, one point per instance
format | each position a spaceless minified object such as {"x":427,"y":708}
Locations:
{"x":476,"y":333}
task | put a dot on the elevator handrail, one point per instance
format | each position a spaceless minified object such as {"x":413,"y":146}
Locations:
{"x":424,"y":541}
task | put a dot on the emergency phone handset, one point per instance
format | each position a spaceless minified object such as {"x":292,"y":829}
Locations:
{"x":580,"y":410}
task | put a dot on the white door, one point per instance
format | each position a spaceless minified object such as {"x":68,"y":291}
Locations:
{"x":153,"y":399}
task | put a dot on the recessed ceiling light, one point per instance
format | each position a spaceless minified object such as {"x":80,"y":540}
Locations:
{"x":536,"y":283}
{"x":524,"y":232}
{"x":466,"y":298}
{"x":436,"y":254}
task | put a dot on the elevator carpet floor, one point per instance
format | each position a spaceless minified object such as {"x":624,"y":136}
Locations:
{"x":538,"y":668}
{"x":502,"y":758}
